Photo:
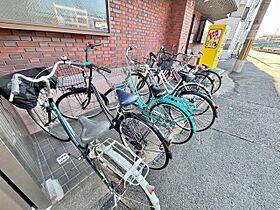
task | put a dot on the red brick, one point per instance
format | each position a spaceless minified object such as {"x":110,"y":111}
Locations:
{"x":41,"y":39}
{"x":19,"y":67}
{"x":27,"y":44}
{"x":67,"y":40}
{"x":23,"y":32}
{"x":40,"y":33}
{"x":10,"y":44}
{"x":11,"y":50}
{"x":48,"y":60}
{"x":33,"y":55}
{"x":25,"y":38}
{"x":56,"y":35}
{"x":44,"y":49}
{"x":4,"y":56}
{"x":9,"y":38}
{"x":15,"y":56}
{"x":17,"y":62}
{"x":57,"y":44}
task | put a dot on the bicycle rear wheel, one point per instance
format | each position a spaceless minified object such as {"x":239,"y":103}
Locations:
{"x":78,"y":102}
{"x":143,"y":138}
{"x":205,"y":80}
{"x":46,"y":119}
{"x":205,"y":113}
{"x":131,"y":196}
{"x":194,"y":87}
{"x":217,"y":79}
{"x":172,"y":121}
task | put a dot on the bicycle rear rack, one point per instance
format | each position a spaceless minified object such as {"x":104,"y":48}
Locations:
{"x":122,"y":161}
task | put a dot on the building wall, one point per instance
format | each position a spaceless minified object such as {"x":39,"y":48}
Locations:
{"x":147,"y":24}
{"x":196,"y":46}
{"x":239,"y":28}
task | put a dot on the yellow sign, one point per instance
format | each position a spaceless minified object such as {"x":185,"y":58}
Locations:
{"x":213,"y":45}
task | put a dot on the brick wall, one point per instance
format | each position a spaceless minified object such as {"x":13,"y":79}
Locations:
{"x":179,"y":23}
{"x":147,"y":24}
{"x":140,"y":23}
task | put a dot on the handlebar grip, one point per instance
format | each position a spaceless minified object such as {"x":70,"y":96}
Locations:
{"x":105,"y":69}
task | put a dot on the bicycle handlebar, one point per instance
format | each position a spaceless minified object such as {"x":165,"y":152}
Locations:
{"x":15,"y":81}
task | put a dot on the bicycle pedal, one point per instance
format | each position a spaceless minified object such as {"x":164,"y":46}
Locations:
{"x":62,"y":158}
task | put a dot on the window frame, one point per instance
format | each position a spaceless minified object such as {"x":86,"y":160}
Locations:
{"x":23,"y":25}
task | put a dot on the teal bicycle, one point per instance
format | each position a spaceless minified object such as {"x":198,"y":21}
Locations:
{"x":122,"y":171}
{"x":171,"y":114}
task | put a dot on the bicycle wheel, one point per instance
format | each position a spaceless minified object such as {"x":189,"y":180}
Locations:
{"x":217,"y":79}
{"x":143,"y":138}
{"x":46,"y":119}
{"x":204,"y":80}
{"x":131,"y":196}
{"x":194,"y":87}
{"x":205,"y":112}
{"x":173,"y":122}
{"x":77,"y":103}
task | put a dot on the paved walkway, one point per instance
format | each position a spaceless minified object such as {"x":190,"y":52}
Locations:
{"x":234,"y":165}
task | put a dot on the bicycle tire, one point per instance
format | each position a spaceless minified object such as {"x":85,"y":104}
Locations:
{"x":67,"y":101}
{"x":181,"y":129}
{"x":217,"y":79}
{"x":196,"y":87}
{"x":210,"y":106}
{"x":135,"y":141}
{"x":43,"y":116}
{"x":204,"y":80}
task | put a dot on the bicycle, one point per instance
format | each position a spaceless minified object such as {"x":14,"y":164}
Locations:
{"x":205,"y":111}
{"x":120,"y":169}
{"x":170,"y":65}
{"x":164,"y":111}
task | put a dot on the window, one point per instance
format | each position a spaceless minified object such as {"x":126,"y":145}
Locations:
{"x":245,"y":13}
{"x":203,"y":30}
{"x":78,"y":16}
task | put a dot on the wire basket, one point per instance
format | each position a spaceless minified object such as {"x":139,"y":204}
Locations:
{"x":129,"y":167}
{"x":69,"y":76}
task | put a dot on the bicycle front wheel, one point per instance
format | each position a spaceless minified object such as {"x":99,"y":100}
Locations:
{"x":78,"y":102}
{"x":43,"y":116}
{"x":144,"y":139}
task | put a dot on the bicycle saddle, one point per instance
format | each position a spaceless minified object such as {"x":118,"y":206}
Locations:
{"x":91,"y":129}
{"x":191,"y":66}
{"x":125,"y":98}
{"x":158,"y":92}
{"x":186,"y":76}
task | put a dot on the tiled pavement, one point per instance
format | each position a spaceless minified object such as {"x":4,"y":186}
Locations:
{"x":72,"y":172}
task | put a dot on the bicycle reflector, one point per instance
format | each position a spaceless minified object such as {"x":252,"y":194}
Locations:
{"x":151,"y":189}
